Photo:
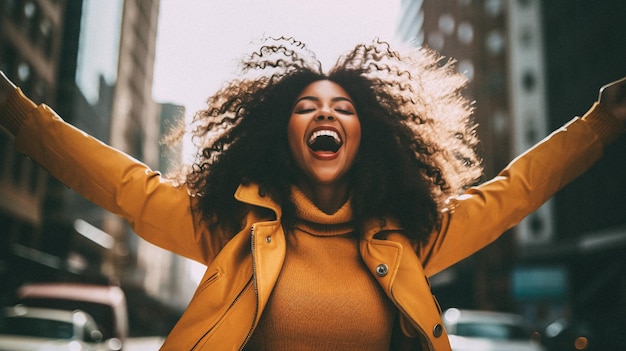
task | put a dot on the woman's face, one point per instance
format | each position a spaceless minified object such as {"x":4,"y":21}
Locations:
{"x":324,"y":132}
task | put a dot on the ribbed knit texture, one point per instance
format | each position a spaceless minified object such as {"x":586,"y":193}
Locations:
{"x":324,"y":299}
{"x":14,"y":110}
{"x":607,"y":127}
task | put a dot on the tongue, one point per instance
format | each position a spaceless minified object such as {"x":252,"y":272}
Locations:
{"x":324,"y":143}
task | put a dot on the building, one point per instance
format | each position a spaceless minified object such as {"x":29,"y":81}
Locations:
{"x":134,"y":119}
{"x":31,"y":35}
{"x":532,"y":66}
{"x":583,"y":46}
{"x":475,"y":35}
{"x":103,"y":86}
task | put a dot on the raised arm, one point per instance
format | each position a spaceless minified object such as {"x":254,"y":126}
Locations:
{"x":479,"y":216}
{"x":158,"y":211}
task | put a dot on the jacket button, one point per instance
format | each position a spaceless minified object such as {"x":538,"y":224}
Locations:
{"x":437,"y":330}
{"x":268,"y":239}
{"x":382,"y":270}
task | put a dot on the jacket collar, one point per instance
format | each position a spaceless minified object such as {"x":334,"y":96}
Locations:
{"x":249,"y":194}
{"x":378,"y":228}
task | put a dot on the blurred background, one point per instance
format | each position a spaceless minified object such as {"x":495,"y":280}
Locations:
{"x":125,"y":70}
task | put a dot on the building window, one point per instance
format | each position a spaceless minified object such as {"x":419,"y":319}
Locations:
{"x":494,"y":42}
{"x":446,"y":24}
{"x":529,"y":81}
{"x":29,"y":10}
{"x":25,"y":77}
{"x":531,"y":134}
{"x":31,"y":20}
{"x":436,"y":40}
{"x":465,"y":32}
{"x":45,"y":29}
{"x":493,"y":7}
{"x":23,"y":72}
{"x":527,"y":38}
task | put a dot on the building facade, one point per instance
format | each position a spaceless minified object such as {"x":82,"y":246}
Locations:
{"x":30,"y":54}
{"x":532,"y":65}
{"x":93,"y":62}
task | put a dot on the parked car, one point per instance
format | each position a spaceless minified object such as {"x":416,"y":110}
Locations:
{"x":30,"y":328}
{"x":105,"y":303}
{"x":474,"y":330}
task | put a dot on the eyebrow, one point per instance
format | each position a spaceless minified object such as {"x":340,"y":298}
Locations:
{"x":313,"y":98}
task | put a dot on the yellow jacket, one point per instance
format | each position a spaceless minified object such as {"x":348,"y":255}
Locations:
{"x":242,"y":271}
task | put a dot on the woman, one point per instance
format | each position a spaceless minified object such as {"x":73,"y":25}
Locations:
{"x":320,"y":202}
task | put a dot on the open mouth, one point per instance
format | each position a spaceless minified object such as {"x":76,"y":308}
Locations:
{"x":325,"y":140}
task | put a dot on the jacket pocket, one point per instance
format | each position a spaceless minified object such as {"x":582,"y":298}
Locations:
{"x":208,"y":281}
{"x":229,"y":328}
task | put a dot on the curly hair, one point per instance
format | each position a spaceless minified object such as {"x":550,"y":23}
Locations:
{"x":417,"y":146}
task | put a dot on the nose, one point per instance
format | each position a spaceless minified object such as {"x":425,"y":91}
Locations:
{"x":325,"y":116}
{"x":325,"y":112}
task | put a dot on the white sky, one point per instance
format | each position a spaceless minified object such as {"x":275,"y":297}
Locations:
{"x":199,"y":41}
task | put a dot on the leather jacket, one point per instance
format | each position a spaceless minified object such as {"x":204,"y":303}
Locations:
{"x":242,"y":271}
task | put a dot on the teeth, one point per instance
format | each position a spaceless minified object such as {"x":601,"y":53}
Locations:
{"x":325,"y":132}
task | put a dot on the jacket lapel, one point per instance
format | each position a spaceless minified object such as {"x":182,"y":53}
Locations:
{"x":268,"y":245}
{"x":390,"y":257}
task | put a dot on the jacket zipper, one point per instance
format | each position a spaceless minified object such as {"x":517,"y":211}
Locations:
{"x":256,"y":292}
{"x":256,"y":310}
{"x":229,"y":307}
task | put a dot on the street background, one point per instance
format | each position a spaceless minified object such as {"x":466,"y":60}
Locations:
{"x":125,"y":71}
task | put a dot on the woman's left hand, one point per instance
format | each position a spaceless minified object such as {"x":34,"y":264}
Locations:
{"x":613,"y":97}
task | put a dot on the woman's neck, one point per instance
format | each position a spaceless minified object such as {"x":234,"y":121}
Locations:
{"x":328,"y":198}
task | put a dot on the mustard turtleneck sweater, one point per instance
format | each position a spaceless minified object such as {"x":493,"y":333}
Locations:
{"x":324,"y":298}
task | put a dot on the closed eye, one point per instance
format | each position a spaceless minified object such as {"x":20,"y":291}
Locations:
{"x":345,"y":112}
{"x":304,"y":111}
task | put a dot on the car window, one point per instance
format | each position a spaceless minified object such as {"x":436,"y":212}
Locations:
{"x":496,"y":331}
{"x":102,"y":314}
{"x":44,"y":328}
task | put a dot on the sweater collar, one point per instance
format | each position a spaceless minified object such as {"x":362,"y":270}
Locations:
{"x":311,"y":219}
{"x":308,"y":214}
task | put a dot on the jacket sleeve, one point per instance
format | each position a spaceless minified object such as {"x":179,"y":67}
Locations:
{"x":480,"y":215}
{"x":156,"y":209}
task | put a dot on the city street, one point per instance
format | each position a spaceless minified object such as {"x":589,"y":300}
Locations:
{"x":144,"y":142}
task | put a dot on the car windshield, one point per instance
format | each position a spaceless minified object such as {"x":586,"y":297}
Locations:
{"x":495,"y":331}
{"x":102,"y":314}
{"x":44,"y":328}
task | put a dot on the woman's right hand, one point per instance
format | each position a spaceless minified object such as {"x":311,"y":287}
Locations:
{"x":613,"y":97}
{"x":6,"y":87}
